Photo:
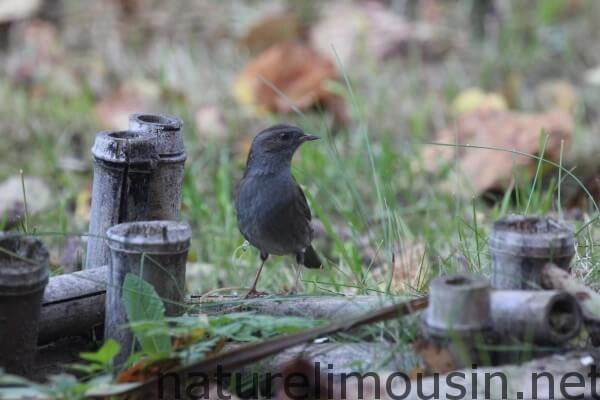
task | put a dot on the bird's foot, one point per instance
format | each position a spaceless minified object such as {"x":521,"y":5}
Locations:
{"x":253,"y":293}
{"x":292,"y":291}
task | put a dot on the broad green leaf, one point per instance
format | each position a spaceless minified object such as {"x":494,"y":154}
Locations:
{"x":142,"y":303}
{"x":105,"y":354}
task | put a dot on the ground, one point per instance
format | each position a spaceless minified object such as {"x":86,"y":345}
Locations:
{"x":367,"y":182}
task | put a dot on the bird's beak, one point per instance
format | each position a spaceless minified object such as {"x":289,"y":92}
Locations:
{"x":307,"y":138}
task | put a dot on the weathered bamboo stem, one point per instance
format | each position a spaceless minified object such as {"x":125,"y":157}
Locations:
{"x":123,"y":165}
{"x":458,"y":317}
{"x":165,"y":187}
{"x":556,"y":278}
{"x":541,"y":316}
{"x":23,"y":276}
{"x":157,"y":252}
{"x":73,"y":304}
{"x":521,"y":246}
{"x":458,"y":303}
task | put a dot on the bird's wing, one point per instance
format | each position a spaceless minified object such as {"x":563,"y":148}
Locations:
{"x":302,"y":203}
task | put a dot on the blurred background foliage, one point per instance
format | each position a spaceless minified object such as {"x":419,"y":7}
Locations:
{"x":380,"y":81}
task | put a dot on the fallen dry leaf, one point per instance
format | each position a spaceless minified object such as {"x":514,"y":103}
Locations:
{"x":288,"y":75}
{"x":271,"y":30}
{"x":144,"y":370}
{"x":437,"y":359}
{"x":489,"y":169}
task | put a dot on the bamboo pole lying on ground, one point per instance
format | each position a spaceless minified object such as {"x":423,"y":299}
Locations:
{"x":73,"y":304}
{"x":556,"y":278}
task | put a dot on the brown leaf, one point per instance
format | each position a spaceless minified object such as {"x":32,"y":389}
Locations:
{"x":488,"y":169}
{"x":271,"y":30}
{"x":437,"y":359}
{"x":285,"y":76}
{"x":144,"y":370}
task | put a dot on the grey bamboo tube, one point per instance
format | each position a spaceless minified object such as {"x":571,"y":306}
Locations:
{"x":166,"y":185}
{"x":458,"y":317}
{"x":545,"y":317}
{"x":73,"y":304}
{"x":157,"y":252}
{"x":123,"y":165}
{"x":458,"y":303}
{"x":521,"y":246}
{"x":23,"y":277}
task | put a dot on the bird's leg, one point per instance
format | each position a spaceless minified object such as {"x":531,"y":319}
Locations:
{"x":299,"y":263}
{"x":296,"y":281}
{"x":253,"y":292}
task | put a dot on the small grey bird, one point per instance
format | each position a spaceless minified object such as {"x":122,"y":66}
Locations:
{"x":272,"y":212}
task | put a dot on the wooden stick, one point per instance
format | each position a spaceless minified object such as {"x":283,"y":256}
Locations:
{"x":315,"y":307}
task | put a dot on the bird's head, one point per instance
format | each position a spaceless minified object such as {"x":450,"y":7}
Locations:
{"x":275,"y":146}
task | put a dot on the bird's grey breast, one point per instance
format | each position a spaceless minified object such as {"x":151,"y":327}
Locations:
{"x":269,"y":218}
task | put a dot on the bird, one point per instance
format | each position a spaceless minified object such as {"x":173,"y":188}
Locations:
{"x":272,"y":212}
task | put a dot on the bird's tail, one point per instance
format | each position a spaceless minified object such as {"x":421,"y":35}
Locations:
{"x":311,"y":259}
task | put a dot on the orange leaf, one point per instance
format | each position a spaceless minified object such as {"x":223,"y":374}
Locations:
{"x":285,"y":76}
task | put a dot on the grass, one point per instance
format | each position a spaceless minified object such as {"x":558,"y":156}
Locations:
{"x":366,"y":183}
{"x":367,"y":179}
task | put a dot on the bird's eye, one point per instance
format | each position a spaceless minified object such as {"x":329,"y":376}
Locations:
{"x":285,"y":136}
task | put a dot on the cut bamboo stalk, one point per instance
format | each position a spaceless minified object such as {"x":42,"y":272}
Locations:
{"x":521,"y":246}
{"x":123,"y":165}
{"x":556,"y":278}
{"x":157,"y":252}
{"x":165,"y":187}
{"x":458,"y":317}
{"x":458,"y":303}
{"x":545,"y":317}
{"x":23,"y":277}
